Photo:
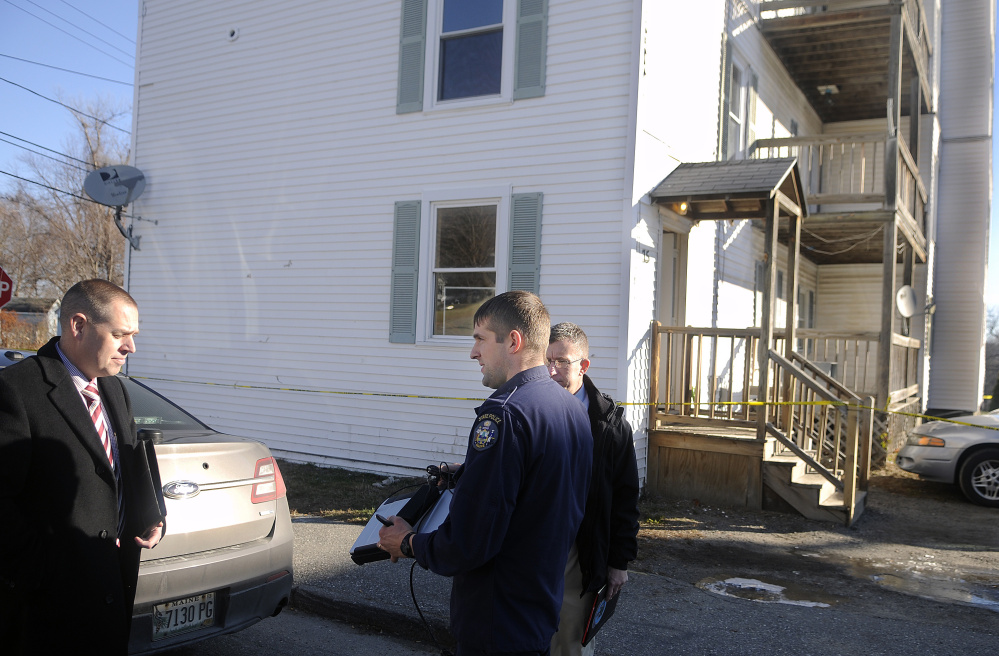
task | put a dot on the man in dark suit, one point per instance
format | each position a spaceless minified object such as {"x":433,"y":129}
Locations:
{"x":72,"y":520}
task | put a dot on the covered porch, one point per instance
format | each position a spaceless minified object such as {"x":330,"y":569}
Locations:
{"x":761,"y":416}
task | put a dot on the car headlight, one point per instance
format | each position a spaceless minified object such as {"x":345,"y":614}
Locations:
{"x":924,"y":440}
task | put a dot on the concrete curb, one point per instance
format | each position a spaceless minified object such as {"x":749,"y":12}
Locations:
{"x":317,"y":601}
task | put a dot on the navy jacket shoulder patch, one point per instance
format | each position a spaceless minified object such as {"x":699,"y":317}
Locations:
{"x":486,"y":432}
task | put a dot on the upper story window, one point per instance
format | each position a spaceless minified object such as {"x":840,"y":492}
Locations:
{"x":470,"y":52}
{"x":471,"y":49}
{"x":736,"y":114}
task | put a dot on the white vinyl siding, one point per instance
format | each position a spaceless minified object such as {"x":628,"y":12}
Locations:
{"x":265,"y":283}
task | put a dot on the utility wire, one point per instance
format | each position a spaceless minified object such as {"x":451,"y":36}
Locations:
{"x":61,"y":191}
{"x":96,"y":77}
{"x":72,"y":109}
{"x":69,"y":193}
{"x":54,"y":159}
{"x":103,"y":52}
{"x":44,"y":148}
{"x":71,"y":23}
{"x":129,"y":39}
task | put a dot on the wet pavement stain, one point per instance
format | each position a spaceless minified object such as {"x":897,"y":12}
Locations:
{"x":922,"y":577}
{"x":766,"y":592}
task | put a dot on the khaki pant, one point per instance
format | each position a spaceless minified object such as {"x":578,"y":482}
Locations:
{"x":573,"y":616}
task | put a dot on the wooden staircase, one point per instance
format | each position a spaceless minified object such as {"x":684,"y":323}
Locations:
{"x":810,"y":494}
{"x":817,"y":451}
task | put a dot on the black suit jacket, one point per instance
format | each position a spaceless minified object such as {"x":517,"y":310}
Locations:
{"x":62,"y":578}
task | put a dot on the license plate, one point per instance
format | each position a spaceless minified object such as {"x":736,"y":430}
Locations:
{"x":183,"y":615}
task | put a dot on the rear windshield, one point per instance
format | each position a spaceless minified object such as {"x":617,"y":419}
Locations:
{"x":153,"y":411}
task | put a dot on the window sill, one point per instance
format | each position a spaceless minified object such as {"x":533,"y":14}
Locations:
{"x":443,"y":342}
{"x":468,"y":103}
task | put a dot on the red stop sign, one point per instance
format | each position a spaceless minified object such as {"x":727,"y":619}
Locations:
{"x":6,"y":287}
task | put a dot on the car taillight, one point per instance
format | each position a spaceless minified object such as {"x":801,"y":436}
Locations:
{"x":271,"y":489}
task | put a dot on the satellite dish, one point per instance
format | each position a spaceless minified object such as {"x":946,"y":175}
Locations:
{"x":905,"y":301}
{"x":115,"y":186}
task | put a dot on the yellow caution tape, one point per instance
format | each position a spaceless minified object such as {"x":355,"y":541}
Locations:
{"x":843,"y":404}
{"x":309,"y":391}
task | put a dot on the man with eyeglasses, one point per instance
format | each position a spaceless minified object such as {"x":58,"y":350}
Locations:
{"x":607,"y":539}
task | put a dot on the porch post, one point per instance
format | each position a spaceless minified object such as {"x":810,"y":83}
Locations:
{"x":767,"y":321}
{"x":793,"y":246}
{"x":654,"y":376}
{"x":908,"y":262}
{"x":887,"y":311}
{"x":891,"y":199}
{"x":790,"y":325}
{"x":893,"y":104}
{"x":915,"y":110}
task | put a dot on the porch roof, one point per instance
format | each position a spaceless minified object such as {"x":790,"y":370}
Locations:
{"x":735,"y":189}
{"x":838,"y":53}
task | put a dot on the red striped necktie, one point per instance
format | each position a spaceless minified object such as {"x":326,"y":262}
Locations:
{"x":97,"y":415}
{"x":110,"y":449}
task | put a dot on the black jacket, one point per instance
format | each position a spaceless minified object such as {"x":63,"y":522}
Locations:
{"x":608,"y":535}
{"x":59,"y":513}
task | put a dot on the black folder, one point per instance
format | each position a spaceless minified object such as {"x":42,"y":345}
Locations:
{"x":598,"y":614}
{"x":148,"y":505}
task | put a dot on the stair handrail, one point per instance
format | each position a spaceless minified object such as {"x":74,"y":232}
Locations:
{"x":823,"y":393}
{"x":865,"y":437}
{"x":845,"y":393}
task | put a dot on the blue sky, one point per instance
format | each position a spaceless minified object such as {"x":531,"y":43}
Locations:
{"x":97,"y":37}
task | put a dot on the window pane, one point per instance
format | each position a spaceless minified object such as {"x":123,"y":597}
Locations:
{"x":456,"y":298}
{"x":466,"y":237}
{"x":466,"y":14}
{"x":734,"y":138}
{"x":735,"y":93}
{"x":471,"y":65}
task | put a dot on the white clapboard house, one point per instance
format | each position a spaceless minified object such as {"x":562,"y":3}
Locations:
{"x":726,"y":195}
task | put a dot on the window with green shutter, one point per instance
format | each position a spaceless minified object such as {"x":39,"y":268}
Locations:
{"x":478,"y":51}
{"x":476,"y":248}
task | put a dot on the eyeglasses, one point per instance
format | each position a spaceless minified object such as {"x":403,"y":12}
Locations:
{"x":562,"y":363}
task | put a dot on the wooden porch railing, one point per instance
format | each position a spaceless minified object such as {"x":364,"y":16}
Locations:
{"x":850,"y":170}
{"x":703,"y":374}
{"x":709,"y":376}
{"x":849,"y":358}
{"x":708,"y":372}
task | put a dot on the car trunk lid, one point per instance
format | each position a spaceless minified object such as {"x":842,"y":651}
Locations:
{"x":210,"y":482}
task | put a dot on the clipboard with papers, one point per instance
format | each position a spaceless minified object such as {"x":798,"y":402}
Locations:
{"x":424,"y":508}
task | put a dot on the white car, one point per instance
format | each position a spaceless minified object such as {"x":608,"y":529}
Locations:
{"x":957,"y":453}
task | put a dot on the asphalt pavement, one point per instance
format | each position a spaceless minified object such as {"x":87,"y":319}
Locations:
{"x":655,"y":615}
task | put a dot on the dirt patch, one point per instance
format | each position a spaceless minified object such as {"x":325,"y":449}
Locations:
{"x":916,"y":541}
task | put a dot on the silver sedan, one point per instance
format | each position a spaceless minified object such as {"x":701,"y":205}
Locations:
{"x":964,"y":452}
{"x":226,"y":560}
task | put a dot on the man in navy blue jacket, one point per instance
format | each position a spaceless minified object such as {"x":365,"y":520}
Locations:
{"x":519,"y":500}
